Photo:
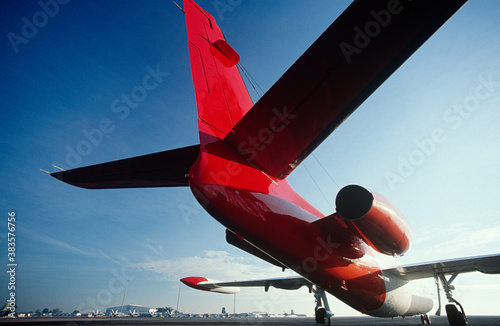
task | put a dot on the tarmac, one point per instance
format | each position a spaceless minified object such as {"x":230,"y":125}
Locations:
{"x":300,"y":321}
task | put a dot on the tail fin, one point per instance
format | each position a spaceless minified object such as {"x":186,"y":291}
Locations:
{"x":221,"y":95}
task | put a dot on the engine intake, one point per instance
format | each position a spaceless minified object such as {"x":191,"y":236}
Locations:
{"x":353,"y":202}
{"x":375,"y":219}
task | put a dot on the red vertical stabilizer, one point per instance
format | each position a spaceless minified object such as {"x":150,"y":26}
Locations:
{"x":221,"y":95}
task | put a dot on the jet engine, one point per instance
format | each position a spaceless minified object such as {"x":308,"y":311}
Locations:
{"x":375,"y":219}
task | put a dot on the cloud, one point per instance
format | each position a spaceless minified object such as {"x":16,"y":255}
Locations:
{"x":89,"y":252}
{"x":218,"y":265}
{"x":476,"y":237}
{"x":153,"y":247}
{"x":464,"y":236}
{"x":57,"y":243}
{"x":456,"y":240}
{"x":121,"y":260}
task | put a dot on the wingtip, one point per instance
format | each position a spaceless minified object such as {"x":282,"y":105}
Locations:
{"x":193,"y":282}
{"x":57,"y":175}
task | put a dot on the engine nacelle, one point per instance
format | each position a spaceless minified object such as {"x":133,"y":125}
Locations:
{"x":375,"y":219}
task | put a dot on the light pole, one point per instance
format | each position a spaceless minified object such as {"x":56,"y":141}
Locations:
{"x":178,"y":297}
{"x":123,"y":299}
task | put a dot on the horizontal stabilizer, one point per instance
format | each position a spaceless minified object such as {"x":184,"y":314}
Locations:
{"x":163,"y":169}
{"x":345,"y":65}
{"x":484,"y":264}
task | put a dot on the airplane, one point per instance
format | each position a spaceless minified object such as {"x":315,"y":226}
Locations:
{"x":134,"y":313}
{"x":97,"y":313}
{"x":180,"y":315}
{"x":116,"y":313}
{"x":292,"y":314}
{"x":257,"y":314}
{"x":4,"y":311}
{"x":238,"y":172}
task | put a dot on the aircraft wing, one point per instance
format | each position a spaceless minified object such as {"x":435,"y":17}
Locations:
{"x":342,"y":68}
{"x":285,"y":283}
{"x":163,"y":169}
{"x":484,"y":264}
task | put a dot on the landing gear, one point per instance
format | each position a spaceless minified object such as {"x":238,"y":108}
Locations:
{"x":425,"y":319}
{"x":322,"y":317}
{"x":455,"y":316}
{"x":322,"y":313}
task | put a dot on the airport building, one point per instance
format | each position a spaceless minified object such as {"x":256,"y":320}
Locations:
{"x":130,"y":308}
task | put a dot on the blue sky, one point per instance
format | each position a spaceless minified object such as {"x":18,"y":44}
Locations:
{"x":427,"y":139}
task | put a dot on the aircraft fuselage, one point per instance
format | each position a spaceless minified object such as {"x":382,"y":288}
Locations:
{"x":269,"y":214}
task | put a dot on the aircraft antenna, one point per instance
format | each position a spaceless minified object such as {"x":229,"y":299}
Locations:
{"x":179,"y":7}
{"x":250,"y":79}
{"x":58,"y":167}
{"x":317,"y":186}
{"x":331,"y":178}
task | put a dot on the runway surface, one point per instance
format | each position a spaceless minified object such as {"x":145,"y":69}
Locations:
{"x":337,"y":321}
